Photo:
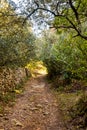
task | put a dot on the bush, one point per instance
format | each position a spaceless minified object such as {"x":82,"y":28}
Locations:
{"x":65,"y":57}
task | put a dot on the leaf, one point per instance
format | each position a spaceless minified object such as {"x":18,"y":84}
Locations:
{"x":17,"y":91}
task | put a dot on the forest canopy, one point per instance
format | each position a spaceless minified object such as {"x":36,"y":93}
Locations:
{"x":68,"y":14}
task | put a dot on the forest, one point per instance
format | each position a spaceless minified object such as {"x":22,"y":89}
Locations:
{"x":43,"y":51}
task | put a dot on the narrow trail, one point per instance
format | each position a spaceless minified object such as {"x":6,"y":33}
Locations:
{"x":35,"y":109}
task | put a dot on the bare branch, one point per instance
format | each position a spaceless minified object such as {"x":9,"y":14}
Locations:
{"x":39,"y":8}
{"x":29,"y":15}
{"x":57,"y":7}
{"x":50,"y":11}
{"x":36,"y":4}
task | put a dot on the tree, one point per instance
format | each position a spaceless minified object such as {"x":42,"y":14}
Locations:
{"x":16,"y":41}
{"x":68,"y":14}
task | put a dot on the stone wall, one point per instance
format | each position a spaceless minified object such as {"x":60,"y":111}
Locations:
{"x":9,"y":78}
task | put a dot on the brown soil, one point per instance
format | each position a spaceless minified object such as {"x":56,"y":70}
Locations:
{"x":35,"y":109}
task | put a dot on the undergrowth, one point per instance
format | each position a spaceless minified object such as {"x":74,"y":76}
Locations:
{"x":73,"y":104}
{"x":8,"y":97}
{"x":78,"y":113}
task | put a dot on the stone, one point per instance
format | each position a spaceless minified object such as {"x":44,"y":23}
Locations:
{"x":1,"y":115}
{"x":17,"y":123}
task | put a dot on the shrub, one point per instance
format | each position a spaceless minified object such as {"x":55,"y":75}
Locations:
{"x":65,"y":57}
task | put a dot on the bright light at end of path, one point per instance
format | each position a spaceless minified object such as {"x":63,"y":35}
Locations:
{"x":41,"y":69}
{"x":37,"y":68}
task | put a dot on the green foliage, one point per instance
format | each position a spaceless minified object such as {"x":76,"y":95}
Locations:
{"x":16,"y":41}
{"x":68,"y":14}
{"x":65,"y":56}
{"x":72,"y":18}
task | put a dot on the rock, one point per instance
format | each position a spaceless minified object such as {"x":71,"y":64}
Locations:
{"x":45,"y":113}
{"x":46,"y":101}
{"x":39,"y":106}
{"x":25,"y":109}
{"x":34,"y":108}
{"x":6,"y":118}
{"x":1,"y":115}
{"x":17,"y":123}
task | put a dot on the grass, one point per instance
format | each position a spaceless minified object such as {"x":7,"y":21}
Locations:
{"x":66,"y":101}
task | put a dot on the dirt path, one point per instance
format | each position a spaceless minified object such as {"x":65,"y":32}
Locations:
{"x":35,"y":109}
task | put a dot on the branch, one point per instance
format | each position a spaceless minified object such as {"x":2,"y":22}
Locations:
{"x":36,"y":4}
{"x":74,"y":10}
{"x":57,"y":14}
{"x":48,"y":11}
{"x":57,"y":7}
{"x":29,"y":15}
{"x":62,"y":26}
{"x":78,"y":5}
{"x":38,"y":8}
{"x":73,"y":26}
